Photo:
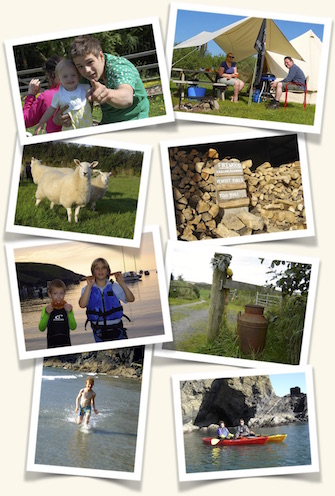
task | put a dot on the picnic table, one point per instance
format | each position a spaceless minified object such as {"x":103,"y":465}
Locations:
{"x":190,"y":77}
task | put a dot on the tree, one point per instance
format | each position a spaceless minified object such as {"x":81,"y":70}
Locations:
{"x":119,"y":42}
{"x":293,"y":278}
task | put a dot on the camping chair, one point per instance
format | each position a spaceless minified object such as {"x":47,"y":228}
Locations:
{"x":303,"y":90}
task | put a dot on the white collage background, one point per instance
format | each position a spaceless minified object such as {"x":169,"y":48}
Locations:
{"x":160,"y":474}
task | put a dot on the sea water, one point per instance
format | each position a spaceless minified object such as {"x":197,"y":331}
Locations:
{"x":110,"y":441}
{"x":145,"y":314}
{"x":293,"y":451}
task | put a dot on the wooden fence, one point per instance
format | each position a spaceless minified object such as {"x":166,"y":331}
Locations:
{"x":266,"y":299}
{"x":148,"y":71}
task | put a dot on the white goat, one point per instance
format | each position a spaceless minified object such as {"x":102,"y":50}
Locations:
{"x":38,"y":169}
{"x":99,"y":186}
{"x":67,"y":189}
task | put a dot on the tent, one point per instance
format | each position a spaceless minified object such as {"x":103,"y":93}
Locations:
{"x":310,"y":47}
{"x":241,"y":36}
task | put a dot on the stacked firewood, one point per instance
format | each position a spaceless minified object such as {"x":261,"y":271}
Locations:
{"x":274,"y":200}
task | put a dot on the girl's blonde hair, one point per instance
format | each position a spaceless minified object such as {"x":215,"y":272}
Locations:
{"x":63,"y":63}
{"x":103,"y":262}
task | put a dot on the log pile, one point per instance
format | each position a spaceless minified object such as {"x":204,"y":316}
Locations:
{"x":200,"y":105}
{"x":275,"y":198}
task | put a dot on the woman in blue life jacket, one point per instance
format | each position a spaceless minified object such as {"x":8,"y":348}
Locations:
{"x":101,"y":298}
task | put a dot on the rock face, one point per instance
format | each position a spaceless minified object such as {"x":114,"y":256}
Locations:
{"x":274,"y":201}
{"x":127,"y":362}
{"x":205,"y":402}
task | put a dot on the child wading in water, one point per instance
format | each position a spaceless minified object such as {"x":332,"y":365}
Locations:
{"x":57,"y":316}
{"x":101,"y":298}
{"x":85,"y":402}
{"x":71,"y":93}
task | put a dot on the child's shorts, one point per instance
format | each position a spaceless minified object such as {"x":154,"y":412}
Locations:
{"x":83,"y":410}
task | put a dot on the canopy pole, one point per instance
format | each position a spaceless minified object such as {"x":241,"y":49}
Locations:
{"x":196,"y":48}
{"x":252,"y":84}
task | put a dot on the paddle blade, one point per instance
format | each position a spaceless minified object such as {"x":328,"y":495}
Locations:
{"x":214,"y":441}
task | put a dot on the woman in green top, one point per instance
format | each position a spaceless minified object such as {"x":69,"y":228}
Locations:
{"x":116,"y":83}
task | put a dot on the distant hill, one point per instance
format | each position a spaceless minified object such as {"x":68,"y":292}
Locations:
{"x":203,"y":285}
{"x":31,"y":274}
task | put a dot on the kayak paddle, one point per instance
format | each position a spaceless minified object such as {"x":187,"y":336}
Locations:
{"x":214,"y":442}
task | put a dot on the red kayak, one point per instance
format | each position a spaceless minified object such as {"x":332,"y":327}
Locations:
{"x":235,"y":442}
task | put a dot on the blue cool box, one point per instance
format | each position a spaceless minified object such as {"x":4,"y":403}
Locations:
{"x":195,"y":92}
{"x":255,"y":96}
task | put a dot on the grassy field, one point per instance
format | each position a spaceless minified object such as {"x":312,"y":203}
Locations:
{"x":114,"y":216}
{"x":293,"y":114}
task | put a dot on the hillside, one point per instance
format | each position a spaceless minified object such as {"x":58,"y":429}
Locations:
{"x":31,"y":274}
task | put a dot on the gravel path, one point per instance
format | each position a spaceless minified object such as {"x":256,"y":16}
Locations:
{"x":187,"y":318}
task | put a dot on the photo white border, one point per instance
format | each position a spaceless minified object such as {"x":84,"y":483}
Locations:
{"x":252,"y":238}
{"x":66,"y":350}
{"x":197,"y":251}
{"x":31,"y":466}
{"x":117,"y":126}
{"x":298,"y":469}
{"x":77,"y":236}
{"x":327,"y":23}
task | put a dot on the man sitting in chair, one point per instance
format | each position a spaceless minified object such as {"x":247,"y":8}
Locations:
{"x":294,"y":74}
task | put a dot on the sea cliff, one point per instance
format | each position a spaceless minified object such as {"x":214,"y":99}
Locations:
{"x":205,"y":402}
{"x":125,"y":362}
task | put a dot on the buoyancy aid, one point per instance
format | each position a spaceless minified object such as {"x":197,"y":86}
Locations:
{"x":58,"y":329}
{"x":103,"y":306}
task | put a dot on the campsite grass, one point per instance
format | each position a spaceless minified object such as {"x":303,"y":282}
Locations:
{"x":114,"y":216}
{"x":293,"y":114}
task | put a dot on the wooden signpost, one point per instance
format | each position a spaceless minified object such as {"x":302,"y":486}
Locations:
{"x":231,"y":188}
{"x":220,"y":263}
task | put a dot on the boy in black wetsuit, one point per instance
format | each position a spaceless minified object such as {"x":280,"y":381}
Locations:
{"x":57,"y":316}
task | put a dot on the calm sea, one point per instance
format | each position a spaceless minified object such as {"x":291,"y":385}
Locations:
{"x":145,"y":314}
{"x":295,"y":450}
{"x":109,"y":444}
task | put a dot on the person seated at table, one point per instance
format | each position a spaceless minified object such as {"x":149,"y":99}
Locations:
{"x":228,"y":75}
{"x":294,"y":74}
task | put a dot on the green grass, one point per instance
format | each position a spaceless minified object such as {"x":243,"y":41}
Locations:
{"x":200,"y":303}
{"x":114,"y":216}
{"x":156,"y":102}
{"x":157,"y":106}
{"x":294,"y":112}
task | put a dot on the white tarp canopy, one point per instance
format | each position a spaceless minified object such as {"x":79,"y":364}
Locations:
{"x":310,"y":47}
{"x":239,"y":38}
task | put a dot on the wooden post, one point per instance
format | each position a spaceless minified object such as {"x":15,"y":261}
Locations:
{"x":220,"y":263}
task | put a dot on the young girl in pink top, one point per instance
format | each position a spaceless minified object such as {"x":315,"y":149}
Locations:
{"x":34,"y":108}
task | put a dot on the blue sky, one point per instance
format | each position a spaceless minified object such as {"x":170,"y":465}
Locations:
{"x":189,"y":23}
{"x":282,"y":383}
